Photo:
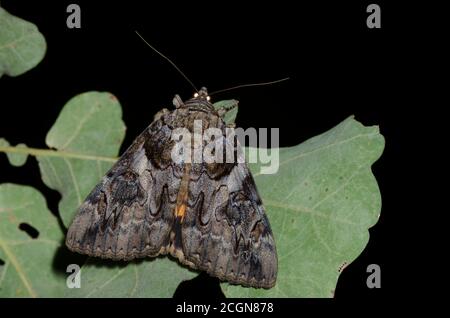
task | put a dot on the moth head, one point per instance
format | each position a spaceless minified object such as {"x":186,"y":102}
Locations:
{"x":200,"y":101}
{"x":202,"y":94}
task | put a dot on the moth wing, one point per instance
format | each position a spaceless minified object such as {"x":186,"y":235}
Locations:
{"x":128,"y":214}
{"x":228,"y":234}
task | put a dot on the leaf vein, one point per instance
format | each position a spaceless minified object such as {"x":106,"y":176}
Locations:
{"x":5,"y":268}
{"x":75,"y":184}
{"x":307,"y":153}
{"x":83,"y":120}
{"x":106,"y":283}
{"x":18,"y":268}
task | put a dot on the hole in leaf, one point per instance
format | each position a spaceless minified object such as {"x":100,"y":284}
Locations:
{"x":31,"y":231}
{"x":2,"y":262}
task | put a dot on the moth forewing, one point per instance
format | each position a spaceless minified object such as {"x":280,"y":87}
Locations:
{"x":207,"y":213}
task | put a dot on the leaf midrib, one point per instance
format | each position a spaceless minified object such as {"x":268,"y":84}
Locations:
{"x":55,"y":153}
{"x":77,"y":155}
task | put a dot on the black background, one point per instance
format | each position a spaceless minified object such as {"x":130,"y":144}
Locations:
{"x":338,"y":67}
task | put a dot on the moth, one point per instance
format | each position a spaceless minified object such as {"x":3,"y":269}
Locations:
{"x":209,"y":216}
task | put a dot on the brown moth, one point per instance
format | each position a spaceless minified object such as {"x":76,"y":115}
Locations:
{"x":207,"y":215}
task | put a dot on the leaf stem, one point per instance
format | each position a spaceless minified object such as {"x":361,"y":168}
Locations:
{"x":55,"y":153}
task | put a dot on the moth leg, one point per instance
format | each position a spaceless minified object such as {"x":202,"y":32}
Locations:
{"x":224,"y":110}
{"x":160,"y":114}
{"x":177,"y":101}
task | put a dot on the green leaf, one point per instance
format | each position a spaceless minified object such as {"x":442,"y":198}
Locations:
{"x":22,"y":46}
{"x":87,"y":136}
{"x":15,"y":158}
{"x":320,"y":205}
{"x":27,"y":269}
{"x":231,"y":108}
{"x":146,"y":278}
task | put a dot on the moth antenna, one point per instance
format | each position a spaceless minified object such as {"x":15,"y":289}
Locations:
{"x":249,"y":85}
{"x":167,"y":59}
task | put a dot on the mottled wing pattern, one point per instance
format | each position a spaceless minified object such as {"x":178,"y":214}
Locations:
{"x":208,"y":215}
{"x":129,"y":213}
{"x":226,"y":231}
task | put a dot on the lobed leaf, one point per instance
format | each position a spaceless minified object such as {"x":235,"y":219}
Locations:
{"x":27,"y":267}
{"x":320,"y":203}
{"x":17,"y":159}
{"x":22,"y":46}
{"x":87,"y":136}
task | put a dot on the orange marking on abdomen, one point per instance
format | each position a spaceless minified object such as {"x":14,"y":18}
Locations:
{"x":183,"y":193}
{"x":180,"y":211}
